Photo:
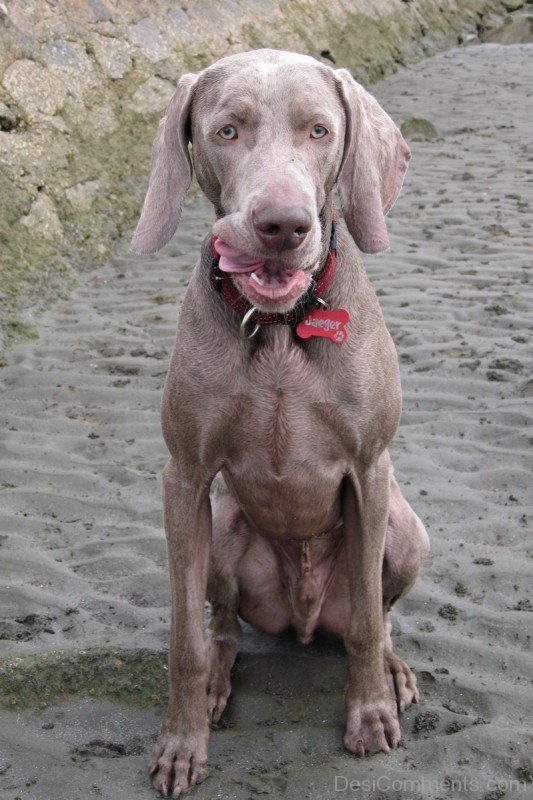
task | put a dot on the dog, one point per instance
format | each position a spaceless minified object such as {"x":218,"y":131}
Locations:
{"x":283,"y":392}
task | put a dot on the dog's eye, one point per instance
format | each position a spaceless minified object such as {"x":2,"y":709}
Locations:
{"x":227,"y":132}
{"x":318,"y":131}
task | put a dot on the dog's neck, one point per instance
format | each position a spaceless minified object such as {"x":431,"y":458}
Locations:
{"x":326,"y":218}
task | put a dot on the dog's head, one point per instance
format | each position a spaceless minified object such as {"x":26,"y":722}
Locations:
{"x":272,"y":133}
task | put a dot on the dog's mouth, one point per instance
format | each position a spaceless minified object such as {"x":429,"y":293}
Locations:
{"x":272,"y":280}
{"x":259,"y":278}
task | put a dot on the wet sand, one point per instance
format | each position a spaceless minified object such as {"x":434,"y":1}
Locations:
{"x":82,"y":549}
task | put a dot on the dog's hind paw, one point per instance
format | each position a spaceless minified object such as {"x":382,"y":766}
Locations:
{"x":218,"y":692}
{"x":402,"y":681}
{"x":222,"y":651}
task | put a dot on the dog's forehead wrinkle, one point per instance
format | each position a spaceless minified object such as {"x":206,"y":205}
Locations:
{"x":265,"y":84}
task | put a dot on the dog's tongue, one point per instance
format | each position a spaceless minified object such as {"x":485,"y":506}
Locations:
{"x":232,"y":260}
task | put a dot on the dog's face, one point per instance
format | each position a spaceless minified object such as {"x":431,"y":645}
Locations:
{"x":272,"y":133}
{"x":267,"y":148}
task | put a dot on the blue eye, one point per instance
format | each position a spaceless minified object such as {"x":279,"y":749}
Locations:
{"x":227,"y":132}
{"x":318,"y":131}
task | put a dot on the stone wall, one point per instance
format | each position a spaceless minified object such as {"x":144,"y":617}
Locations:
{"x":83,"y":82}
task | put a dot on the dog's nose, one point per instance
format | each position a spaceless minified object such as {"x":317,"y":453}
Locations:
{"x":281,"y":227}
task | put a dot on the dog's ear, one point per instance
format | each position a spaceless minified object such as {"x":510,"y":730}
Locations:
{"x":170,"y":173}
{"x":373,"y":166}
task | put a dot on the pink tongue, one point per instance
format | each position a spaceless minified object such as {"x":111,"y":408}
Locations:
{"x":232,"y":260}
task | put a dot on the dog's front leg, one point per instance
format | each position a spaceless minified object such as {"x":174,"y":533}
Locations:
{"x":180,"y":755}
{"x":372,"y":719}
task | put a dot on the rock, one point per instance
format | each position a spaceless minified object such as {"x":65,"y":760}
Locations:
{"x":99,"y":10}
{"x":153,"y":95}
{"x":181,"y":26}
{"x":416,"y":129}
{"x":43,"y":219}
{"x":101,"y":120}
{"x":81,"y":195}
{"x":518,"y":31}
{"x":513,"y":5}
{"x":71,"y":64}
{"x":213,"y":19}
{"x":113,"y":55}
{"x":149,"y":37}
{"x":34,"y":88}
{"x":32,"y":162}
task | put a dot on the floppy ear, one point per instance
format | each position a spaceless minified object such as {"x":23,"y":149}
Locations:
{"x":373,"y":167}
{"x":170,"y":174}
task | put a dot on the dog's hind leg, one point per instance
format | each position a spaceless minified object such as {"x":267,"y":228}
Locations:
{"x":224,"y":634}
{"x":223,"y":641}
{"x":406,"y":545}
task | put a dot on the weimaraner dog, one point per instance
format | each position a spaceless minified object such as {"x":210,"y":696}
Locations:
{"x":280,"y":503}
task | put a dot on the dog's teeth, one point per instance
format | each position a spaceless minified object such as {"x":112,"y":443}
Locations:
{"x":257,"y":279}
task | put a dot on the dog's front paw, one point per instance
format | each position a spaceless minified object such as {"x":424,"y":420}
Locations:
{"x":372,"y":727}
{"x":179,"y":761}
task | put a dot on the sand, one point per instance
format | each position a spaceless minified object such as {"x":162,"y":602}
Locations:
{"x":83,"y":556}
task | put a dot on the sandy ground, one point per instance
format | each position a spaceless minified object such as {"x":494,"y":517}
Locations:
{"x":82,"y":548}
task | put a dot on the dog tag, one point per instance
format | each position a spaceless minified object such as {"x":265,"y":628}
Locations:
{"x":328,"y":323}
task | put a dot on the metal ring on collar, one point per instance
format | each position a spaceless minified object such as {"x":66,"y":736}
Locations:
{"x":322,"y":303}
{"x":242,"y":330}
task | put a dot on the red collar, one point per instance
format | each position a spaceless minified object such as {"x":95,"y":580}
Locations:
{"x":223,"y":284}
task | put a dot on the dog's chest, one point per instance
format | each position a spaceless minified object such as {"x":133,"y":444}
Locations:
{"x":288,"y":460}
{"x":283,"y":411}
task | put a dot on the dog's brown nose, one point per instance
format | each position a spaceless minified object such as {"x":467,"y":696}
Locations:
{"x":281,"y":227}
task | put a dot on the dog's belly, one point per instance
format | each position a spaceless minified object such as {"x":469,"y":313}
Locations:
{"x":299,"y":584}
{"x":294,"y":516}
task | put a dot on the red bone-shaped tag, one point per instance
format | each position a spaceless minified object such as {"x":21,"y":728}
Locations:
{"x":328,"y":323}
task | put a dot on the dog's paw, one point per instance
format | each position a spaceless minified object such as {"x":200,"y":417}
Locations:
{"x":221,"y":658}
{"x":179,"y":762}
{"x":218,"y":692}
{"x":402,"y":681}
{"x":372,"y":727}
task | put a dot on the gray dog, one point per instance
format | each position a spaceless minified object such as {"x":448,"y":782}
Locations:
{"x":280,"y":503}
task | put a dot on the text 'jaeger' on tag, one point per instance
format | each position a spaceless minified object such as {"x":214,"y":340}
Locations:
{"x":328,"y":323}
